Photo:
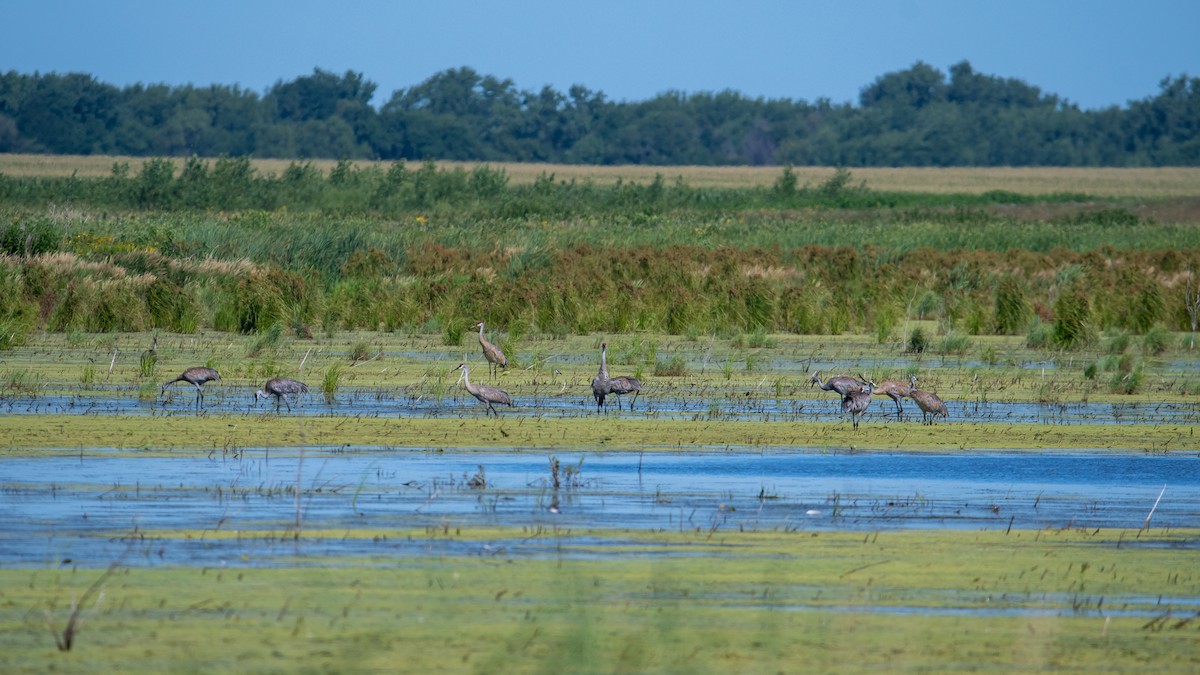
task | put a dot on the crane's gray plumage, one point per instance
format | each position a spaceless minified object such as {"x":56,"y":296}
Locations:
{"x":619,"y":386}
{"x":896,"y":390}
{"x":495,"y":358}
{"x":281,"y":388}
{"x":931,"y":406}
{"x":841,"y":384}
{"x":196,"y":377}
{"x":856,"y":403}
{"x":600,"y":383}
{"x":483,"y":392}
{"x":603,"y":385}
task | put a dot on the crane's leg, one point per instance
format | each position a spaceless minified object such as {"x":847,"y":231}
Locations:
{"x":635,"y":395}
{"x":285,"y":402}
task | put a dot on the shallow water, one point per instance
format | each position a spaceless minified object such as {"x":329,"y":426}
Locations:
{"x":89,"y":507}
{"x":749,"y":405}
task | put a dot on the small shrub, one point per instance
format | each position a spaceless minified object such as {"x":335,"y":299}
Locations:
{"x":452,"y":332}
{"x":1156,"y":340}
{"x":1118,"y":343}
{"x":954,"y":343}
{"x":1012,"y":310}
{"x":929,"y":306}
{"x":360,"y":351}
{"x":917,"y":342}
{"x":1040,"y":335}
{"x":1072,"y":319}
{"x":267,"y":339}
{"x":329,"y":384}
{"x":759,"y":340}
{"x":676,"y":367}
{"x":1126,"y":383}
{"x":988,"y":355}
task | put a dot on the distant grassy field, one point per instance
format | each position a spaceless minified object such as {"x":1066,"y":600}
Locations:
{"x":1102,"y":182}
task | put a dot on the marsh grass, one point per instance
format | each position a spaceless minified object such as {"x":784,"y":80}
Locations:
{"x":268,"y":339}
{"x":330,"y":382}
{"x":675,"y":367}
{"x":360,"y":351}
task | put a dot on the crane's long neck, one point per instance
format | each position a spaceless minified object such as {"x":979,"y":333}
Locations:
{"x":604,"y":362}
{"x":481,"y":333}
{"x":466,"y":378}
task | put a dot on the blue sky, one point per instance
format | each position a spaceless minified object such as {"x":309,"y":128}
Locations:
{"x":1093,"y":53}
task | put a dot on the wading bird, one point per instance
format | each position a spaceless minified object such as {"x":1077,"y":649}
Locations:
{"x":896,"y":390}
{"x":281,"y":388}
{"x":195,"y":377}
{"x":485,"y":394}
{"x":931,"y":406}
{"x":842,"y":384}
{"x":600,"y":383}
{"x":619,"y":386}
{"x":495,"y":358}
{"x":856,"y":402}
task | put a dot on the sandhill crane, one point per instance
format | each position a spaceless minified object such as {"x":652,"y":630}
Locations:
{"x":195,"y":376}
{"x":856,"y":402}
{"x":931,"y":406}
{"x":281,"y":388}
{"x":619,"y":386}
{"x":495,"y":358}
{"x":485,"y":394}
{"x":896,"y":390}
{"x":600,"y":383}
{"x":842,"y":384}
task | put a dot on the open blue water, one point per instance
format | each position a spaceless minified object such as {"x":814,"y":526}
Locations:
{"x":87,"y":507}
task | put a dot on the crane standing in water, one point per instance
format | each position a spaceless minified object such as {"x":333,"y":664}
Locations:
{"x":281,"y":388}
{"x":896,"y":390}
{"x":600,"y":383}
{"x":931,"y":406}
{"x":841,"y":384}
{"x":856,"y":403}
{"x":619,"y":386}
{"x":196,"y":377}
{"x":495,"y":358}
{"x":485,"y":394}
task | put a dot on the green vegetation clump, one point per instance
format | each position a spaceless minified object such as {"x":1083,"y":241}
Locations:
{"x":429,"y":250}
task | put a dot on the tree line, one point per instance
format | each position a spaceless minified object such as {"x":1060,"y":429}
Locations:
{"x":919,"y":116}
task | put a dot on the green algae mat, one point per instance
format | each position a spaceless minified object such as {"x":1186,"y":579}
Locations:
{"x":1063,"y":600}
